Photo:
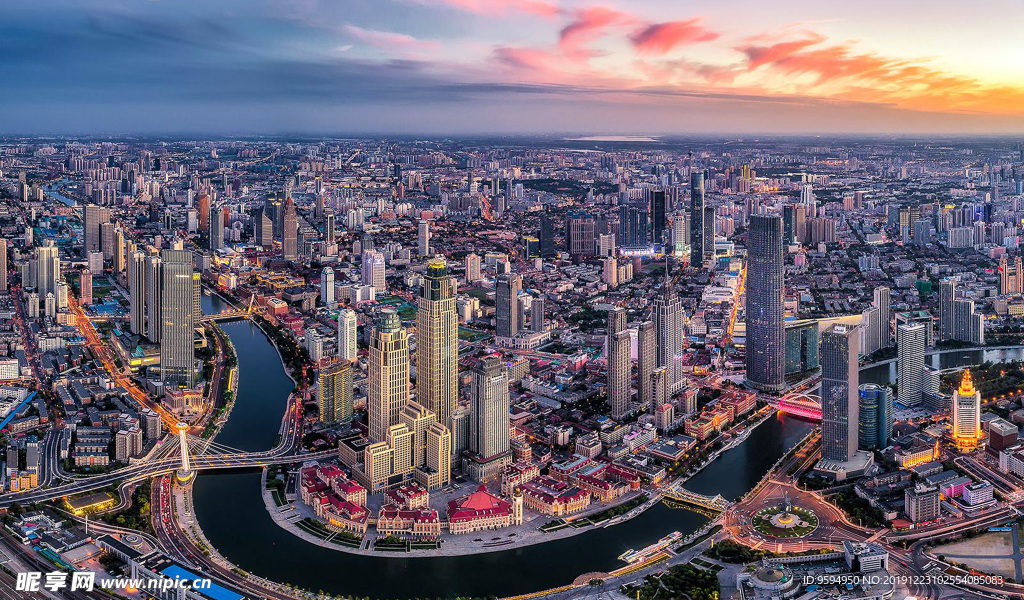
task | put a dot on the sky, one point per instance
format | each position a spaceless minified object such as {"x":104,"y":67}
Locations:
{"x":506,"y":67}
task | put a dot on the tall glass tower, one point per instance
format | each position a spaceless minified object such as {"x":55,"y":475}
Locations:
{"x":766,"y":335}
{"x":840,"y":403}
{"x":177,"y":317}
{"x":437,"y":344}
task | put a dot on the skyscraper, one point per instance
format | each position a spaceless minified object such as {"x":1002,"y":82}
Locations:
{"x":423,"y":238}
{"x":537,"y":315}
{"x":697,"y":241}
{"x":47,"y":268}
{"x":619,"y":363}
{"x":875,"y":427}
{"x":437,"y":344}
{"x":489,"y":444}
{"x":547,"y":236}
{"x":883,"y":303}
{"x":473,"y":268}
{"x":668,"y":326}
{"x":659,"y":211}
{"x":506,"y":301}
{"x":840,"y":403}
{"x":947,"y":296}
{"x":766,"y":335}
{"x":335,"y":392}
{"x":647,"y":360}
{"x":373,"y":270}
{"x":388,"y":374}
{"x":290,"y":231}
{"x":264,"y":228}
{"x":3,"y":265}
{"x":85,"y":287}
{"x":966,"y":418}
{"x":910,"y":345}
{"x":137,"y":291}
{"x":154,"y":283}
{"x":215,"y":235}
{"x":177,"y":347}
{"x":327,"y":286}
{"x":347,"y":326}
{"x":579,"y":235}
{"x":93,"y":217}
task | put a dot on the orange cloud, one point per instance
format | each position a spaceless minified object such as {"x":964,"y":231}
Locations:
{"x":662,"y":38}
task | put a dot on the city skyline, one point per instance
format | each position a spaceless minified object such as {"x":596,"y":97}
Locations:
{"x":420,"y":67}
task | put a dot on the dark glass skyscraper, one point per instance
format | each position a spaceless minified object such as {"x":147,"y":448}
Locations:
{"x":697,"y":242}
{"x":547,"y":236}
{"x":766,"y":335}
{"x":658,"y":212}
{"x":839,"y":397}
{"x":875,"y":426}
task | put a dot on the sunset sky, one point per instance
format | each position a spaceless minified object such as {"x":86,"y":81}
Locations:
{"x":653,"y":67}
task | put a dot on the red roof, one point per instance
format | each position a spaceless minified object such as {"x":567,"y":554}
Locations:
{"x":480,"y":503}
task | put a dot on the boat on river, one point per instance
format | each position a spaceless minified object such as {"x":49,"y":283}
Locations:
{"x":632,"y":556}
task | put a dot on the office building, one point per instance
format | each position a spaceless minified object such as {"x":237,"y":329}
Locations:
{"x":947,"y":295}
{"x":910,"y":345}
{"x":85,"y":287}
{"x":619,"y":363}
{"x":348,"y":325}
{"x":965,"y":424}
{"x":327,"y":286}
{"x":437,"y":343}
{"x":373,"y":270}
{"x":537,"y":315}
{"x":647,"y":361}
{"x":290,"y":231}
{"x":765,"y":347}
{"x":579,"y":235}
{"x":3,"y":266}
{"x":215,"y":235}
{"x":659,"y":211}
{"x":423,"y":238}
{"x":473,"y":268}
{"x":668,"y":325}
{"x":921,"y":503}
{"x":547,"y":236}
{"x":840,"y":404}
{"x":93,"y":218}
{"x":698,"y":245}
{"x":506,"y":305}
{"x":137,"y":292}
{"x":264,"y":228}
{"x":154,"y":288}
{"x":177,"y":346}
{"x":47,"y":268}
{"x":489,"y":444}
{"x":388,"y":374}
{"x":875,"y":427}
{"x":883,"y":302}
{"x":335,"y":392}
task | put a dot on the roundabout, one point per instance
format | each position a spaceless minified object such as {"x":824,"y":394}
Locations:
{"x":785,"y":521}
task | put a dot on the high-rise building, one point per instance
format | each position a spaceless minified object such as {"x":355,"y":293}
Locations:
{"x":388,"y":374}
{"x":437,"y":467}
{"x":840,"y":404}
{"x":154,"y":283}
{"x":698,"y":244}
{"x":348,"y":348}
{"x":619,"y":363}
{"x":335,"y":392}
{"x":373,"y":270}
{"x":93,"y":218}
{"x":85,"y":287}
{"x":290,"y":231}
{"x":947,"y":295}
{"x":327,"y":286}
{"x":668,"y":326}
{"x":47,"y":268}
{"x":137,"y":292}
{"x":765,"y":347}
{"x":547,"y":236}
{"x":423,"y":238}
{"x":875,"y":426}
{"x":506,"y":302}
{"x":489,"y":443}
{"x":580,"y":235}
{"x":417,"y":418}
{"x":966,"y":419}
{"x":537,"y":315}
{"x":910,"y":345}
{"x":883,"y":303}
{"x":177,"y":347}
{"x":437,"y":344}
{"x":3,"y":266}
{"x":215,"y":234}
{"x":659,"y":211}
{"x":473,"y":268}
{"x":661,"y":388}
{"x":968,"y":324}
{"x":647,"y":360}
{"x":264,"y":228}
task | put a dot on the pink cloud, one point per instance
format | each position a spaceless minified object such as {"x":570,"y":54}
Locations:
{"x":588,"y":25}
{"x":389,"y":40}
{"x":661,"y":38}
{"x":543,"y":8}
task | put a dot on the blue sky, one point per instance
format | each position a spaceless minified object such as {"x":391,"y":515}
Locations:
{"x":509,"y":66}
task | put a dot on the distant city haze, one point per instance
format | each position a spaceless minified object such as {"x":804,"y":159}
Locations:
{"x":479,"y":67}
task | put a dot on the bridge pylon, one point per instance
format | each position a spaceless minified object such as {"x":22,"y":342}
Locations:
{"x":185,"y":475}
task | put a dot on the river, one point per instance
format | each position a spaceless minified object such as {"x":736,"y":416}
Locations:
{"x":230,"y":507}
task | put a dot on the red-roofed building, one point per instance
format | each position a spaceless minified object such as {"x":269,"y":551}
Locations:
{"x":481,"y":511}
{"x":555,"y":498}
{"x":408,"y":496}
{"x":418,"y":523}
